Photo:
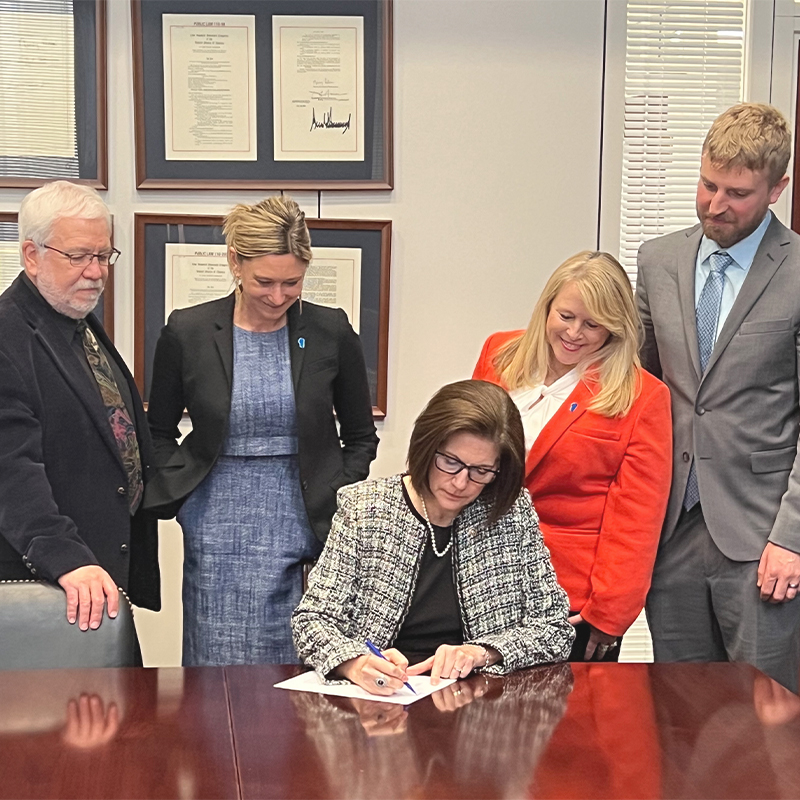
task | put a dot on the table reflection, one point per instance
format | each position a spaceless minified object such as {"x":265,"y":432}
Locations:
{"x":479,"y":737}
{"x":114,"y":733}
{"x":726,"y":733}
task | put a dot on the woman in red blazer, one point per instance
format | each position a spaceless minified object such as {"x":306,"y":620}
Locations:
{"x":598,"y":435}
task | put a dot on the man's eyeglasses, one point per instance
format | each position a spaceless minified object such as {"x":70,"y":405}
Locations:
{"x":82,"y":260}
{"x":452,"y":466}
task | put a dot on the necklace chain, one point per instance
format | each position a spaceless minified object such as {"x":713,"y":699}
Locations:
{"x":433,"y":536}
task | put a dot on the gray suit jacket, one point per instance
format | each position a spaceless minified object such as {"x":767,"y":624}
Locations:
{"x":739,"y":420}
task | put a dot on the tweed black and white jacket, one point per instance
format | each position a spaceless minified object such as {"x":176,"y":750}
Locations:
{"x":362,"y":585}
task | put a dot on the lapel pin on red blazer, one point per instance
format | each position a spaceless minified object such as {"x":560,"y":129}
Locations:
{"x":573,"y":406}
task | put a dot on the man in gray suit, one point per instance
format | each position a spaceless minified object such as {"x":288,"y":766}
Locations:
{"x":720,"y":303}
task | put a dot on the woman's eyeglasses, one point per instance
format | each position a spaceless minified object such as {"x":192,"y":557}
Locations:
{"x":452,"y":466}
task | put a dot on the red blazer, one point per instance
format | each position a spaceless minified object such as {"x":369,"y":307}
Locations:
{"x":600,"y":486}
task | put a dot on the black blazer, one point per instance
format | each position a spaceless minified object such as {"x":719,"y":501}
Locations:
{"x":63,"y":487}
{"x":193,"y":370}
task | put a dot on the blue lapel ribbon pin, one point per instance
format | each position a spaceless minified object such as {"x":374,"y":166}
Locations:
{"x":573,"y":406}
{"x":301,"y":342}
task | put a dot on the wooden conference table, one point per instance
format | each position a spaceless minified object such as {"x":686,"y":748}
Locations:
{"x":568,"y":731}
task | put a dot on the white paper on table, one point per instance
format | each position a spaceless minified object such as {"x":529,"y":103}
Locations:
{"x":318,"y":88}
{"x":333,"y":279}
{"x":209,"y":87}
{"x":194,"y":273}
{"x":37,"y":103}
{"x":310,"y":682}
{"x":9,"y":264}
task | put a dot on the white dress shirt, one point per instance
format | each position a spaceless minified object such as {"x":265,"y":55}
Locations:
{"x":538,"y":404}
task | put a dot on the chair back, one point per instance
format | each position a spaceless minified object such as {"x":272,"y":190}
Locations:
{"x":35,"y":633}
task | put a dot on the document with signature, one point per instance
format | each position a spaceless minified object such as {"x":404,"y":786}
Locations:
{"x":209,"y":87}
{"x":318,"y":88}
{"x":310,"y":682}
{"x":194,"y":273}
{"x":334,"y":279}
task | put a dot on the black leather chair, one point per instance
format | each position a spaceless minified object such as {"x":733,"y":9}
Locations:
{"x":35,"y":633}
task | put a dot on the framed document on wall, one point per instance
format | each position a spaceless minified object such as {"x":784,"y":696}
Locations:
{"x":180,"y":260}
{"x":267,"y":94}
{"x":53,"y":63}
{"x":10,"y":268}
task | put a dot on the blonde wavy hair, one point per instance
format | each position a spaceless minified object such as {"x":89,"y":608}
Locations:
{"x":274,"y":227}
{"x":608,"y":297}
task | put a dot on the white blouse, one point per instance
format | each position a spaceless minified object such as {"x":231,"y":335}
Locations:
{"x":538,"y":404}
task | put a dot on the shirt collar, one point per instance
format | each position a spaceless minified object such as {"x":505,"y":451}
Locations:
{"x":742,"y":252}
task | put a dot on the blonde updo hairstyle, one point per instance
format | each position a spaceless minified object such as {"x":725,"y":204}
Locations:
{"x":614,"y":368}
{"x":274,"y":227}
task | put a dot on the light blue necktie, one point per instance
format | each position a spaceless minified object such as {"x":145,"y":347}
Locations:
{"x":707,"y":316}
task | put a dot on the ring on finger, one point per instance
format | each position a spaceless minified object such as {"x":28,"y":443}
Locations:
{"x":380,"y":681}
{"x":794,"y":586}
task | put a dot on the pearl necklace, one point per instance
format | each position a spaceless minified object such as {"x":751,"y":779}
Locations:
{"x":430,"y":530}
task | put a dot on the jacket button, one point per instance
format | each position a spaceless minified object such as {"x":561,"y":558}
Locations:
{"x":123,"y":548}
{"x":25,"y":559}
{"x":701,"y":411}
{"x":304,"y":485}
{"x":121,"y":490}
{"x":685,"y":456}
{"x":33,"y":570}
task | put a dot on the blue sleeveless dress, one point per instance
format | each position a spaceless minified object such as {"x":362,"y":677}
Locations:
{"x":245,"y":527}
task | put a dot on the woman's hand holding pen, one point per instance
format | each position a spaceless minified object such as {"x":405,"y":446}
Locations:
{"x":382,"y":676}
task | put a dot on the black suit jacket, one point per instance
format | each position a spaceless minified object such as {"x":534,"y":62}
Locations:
{"x":63,"y":487}
{"x":193,"y":370}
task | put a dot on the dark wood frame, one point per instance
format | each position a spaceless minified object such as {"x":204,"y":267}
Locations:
{"x":380,"y":343}
{"x":101,"y":96}
{"x":108,"y":293}
{"x":145,"y":181}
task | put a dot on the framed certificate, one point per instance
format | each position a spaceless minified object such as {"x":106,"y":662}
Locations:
{"x":10,"y":268}
{"x":53,"y":63}
{"x":180,"y":260}
{"x":270,"y":94}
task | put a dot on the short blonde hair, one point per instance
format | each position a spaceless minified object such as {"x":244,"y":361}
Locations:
{"x":608,"y":297}
{"x":752,"y":136}
{"x":274,"y":227}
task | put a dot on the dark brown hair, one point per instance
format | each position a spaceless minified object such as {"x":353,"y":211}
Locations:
{"x":482,"y":409}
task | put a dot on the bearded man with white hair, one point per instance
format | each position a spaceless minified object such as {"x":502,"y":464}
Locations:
{"x":74,"y":442}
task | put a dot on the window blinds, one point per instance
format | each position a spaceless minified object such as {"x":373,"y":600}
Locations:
{"x":37,"y":101}
{"x":683,"y":67}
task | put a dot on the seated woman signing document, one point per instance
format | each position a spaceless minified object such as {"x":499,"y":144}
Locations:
{"x":443,"y":565}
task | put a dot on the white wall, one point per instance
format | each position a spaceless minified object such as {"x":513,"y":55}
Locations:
{"x":497,"y":112}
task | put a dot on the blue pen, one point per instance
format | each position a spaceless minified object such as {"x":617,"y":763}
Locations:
{"x":376,"y":652}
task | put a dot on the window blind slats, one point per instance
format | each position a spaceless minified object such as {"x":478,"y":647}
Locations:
{"x":683,"y":67}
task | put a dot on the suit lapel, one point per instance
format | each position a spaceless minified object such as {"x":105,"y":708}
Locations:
{"x":686,"y":267}
{"x":297,"y":342}
{"x":569,"y":412}
{"x":770,"y":255}
{"x":223,"y":338}
{"x":55,"y":344}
